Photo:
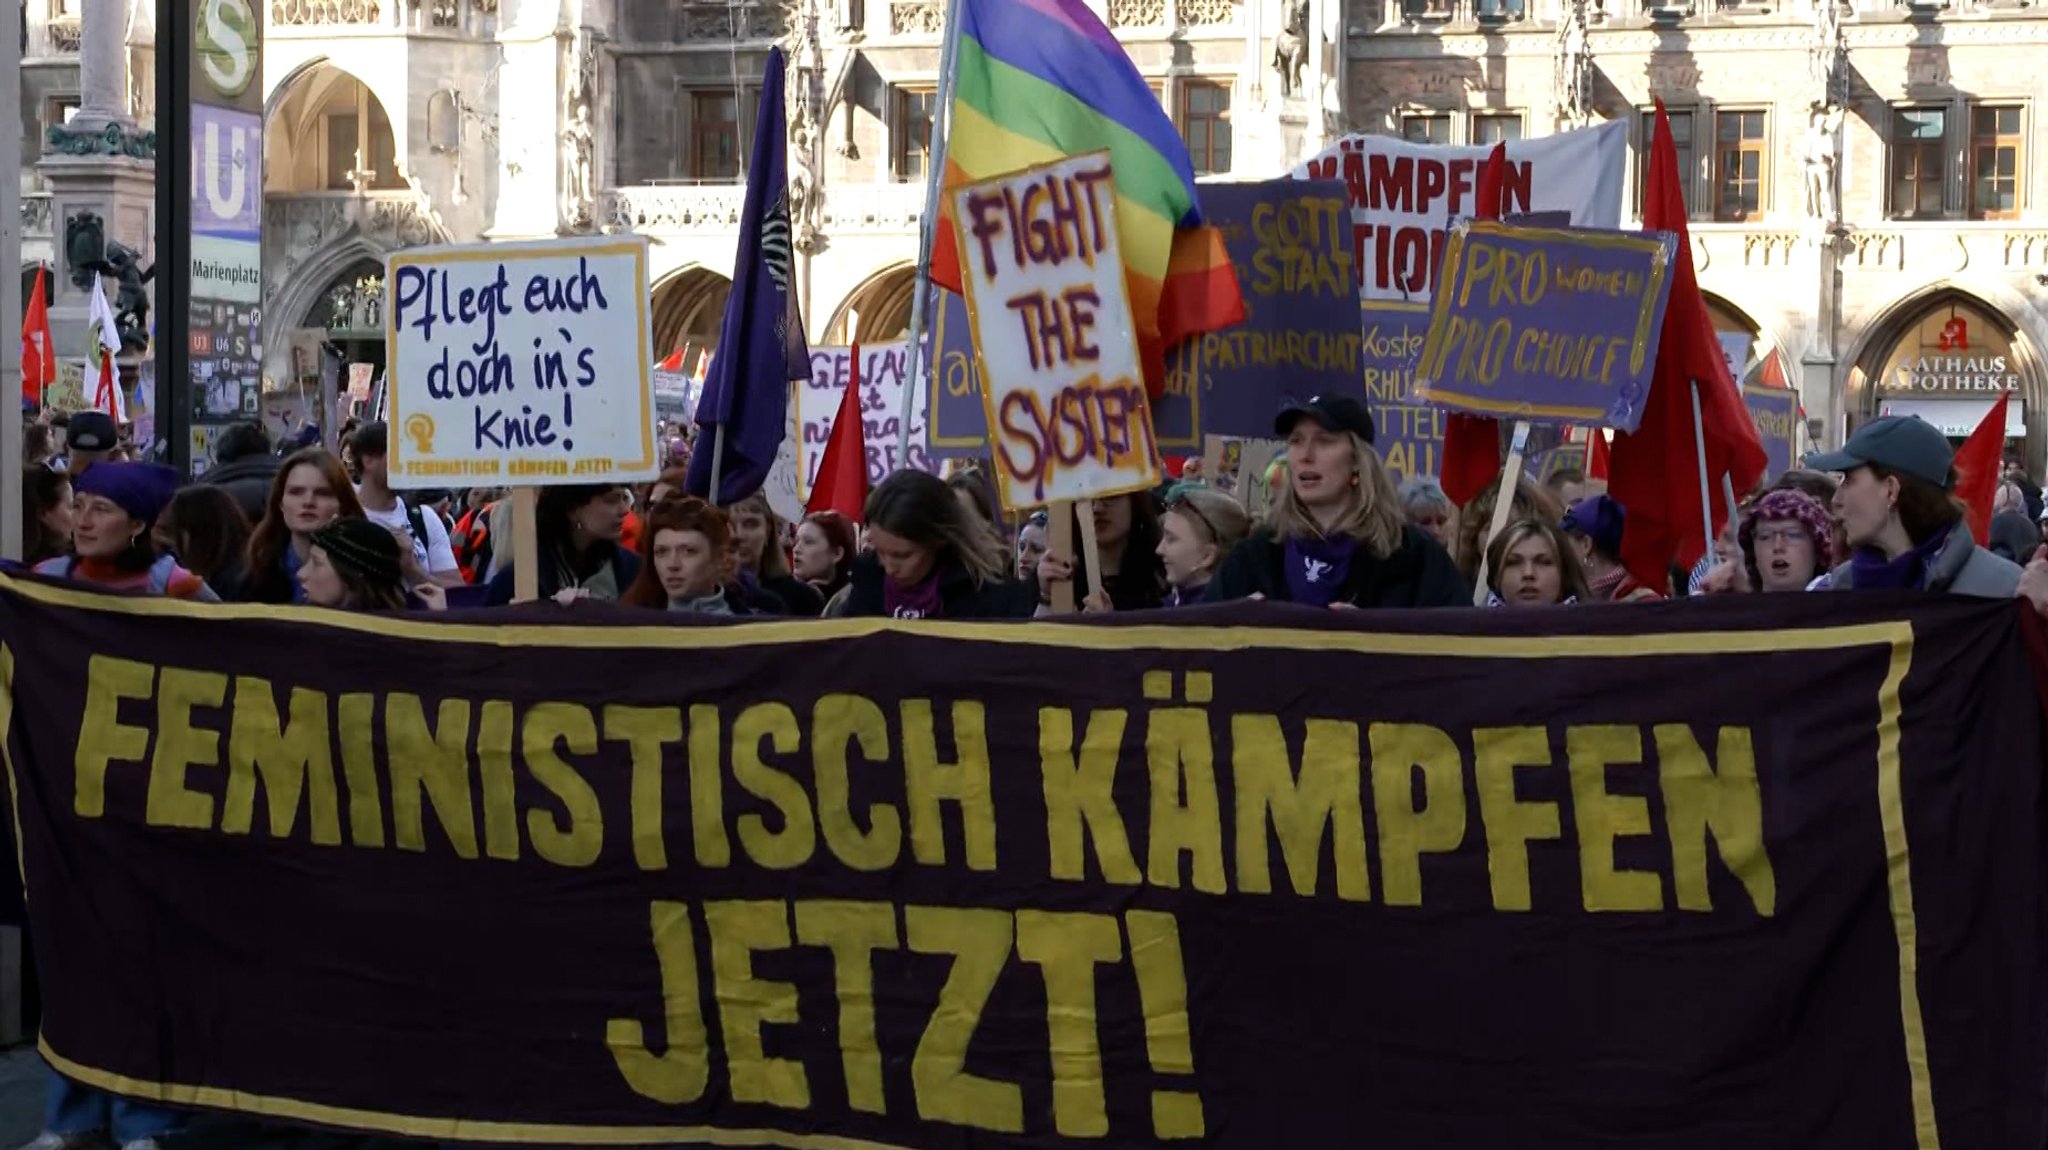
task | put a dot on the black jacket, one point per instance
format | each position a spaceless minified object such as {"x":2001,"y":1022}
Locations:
{"x":248,"y":480}
{"x":800,"y":598}
{"x":1419,"y":573}
{"x":961,"y":599}
{"x":625,"y":567}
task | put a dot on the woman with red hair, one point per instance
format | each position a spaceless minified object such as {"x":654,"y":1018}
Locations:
{"x":683,"y":552}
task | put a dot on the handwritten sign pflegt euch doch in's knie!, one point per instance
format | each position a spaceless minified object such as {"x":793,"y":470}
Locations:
{"x":1547,"y":324}
{"x":521,"y":363}
{"x":1052,"y":325}
{"x":1291,"y":243}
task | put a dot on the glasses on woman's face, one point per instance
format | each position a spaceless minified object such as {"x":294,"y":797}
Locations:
{"x":1789,"y":534}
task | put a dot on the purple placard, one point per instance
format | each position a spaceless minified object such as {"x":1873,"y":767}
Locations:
{"x":957,"y":424}
{"x":1291,"y":243}
{"x":1409,"y":432}
{"x":1552,"y":325}
{"x":1775,"y":411}
{"x":227,"y":173}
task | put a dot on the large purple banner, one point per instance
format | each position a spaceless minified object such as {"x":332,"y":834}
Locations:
{"x":1547,"y":324}
{"x":1291,"y":243}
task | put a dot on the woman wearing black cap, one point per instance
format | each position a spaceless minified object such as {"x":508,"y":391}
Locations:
{"x":1905,"y":528}
{"x":355,"y":565}
{"x":1336,"y":535}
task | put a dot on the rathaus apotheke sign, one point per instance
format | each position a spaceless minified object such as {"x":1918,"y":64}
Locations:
{"x":1952,"y":367}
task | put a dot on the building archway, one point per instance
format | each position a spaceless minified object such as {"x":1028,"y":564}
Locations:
{"x":1946,"y":355}
{"x":688,"y":308}
{"x":324,"y":130}
{"x":1765,"y":363}
{"x":878,"y":310}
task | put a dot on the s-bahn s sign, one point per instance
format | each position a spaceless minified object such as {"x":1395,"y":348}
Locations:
{"x":224,"y":40}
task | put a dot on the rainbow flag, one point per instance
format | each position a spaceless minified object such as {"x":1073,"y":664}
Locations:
{"x":1038,"y":80}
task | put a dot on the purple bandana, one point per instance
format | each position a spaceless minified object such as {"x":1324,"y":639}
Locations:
{"x":1316,"y":568}
{"x":918,"y":601}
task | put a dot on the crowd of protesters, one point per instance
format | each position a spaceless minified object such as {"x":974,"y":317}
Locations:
{"x":291,"y":523}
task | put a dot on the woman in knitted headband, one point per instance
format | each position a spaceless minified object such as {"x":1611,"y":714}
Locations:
{"x":354,"y":565}
{"x":1787,"y":541}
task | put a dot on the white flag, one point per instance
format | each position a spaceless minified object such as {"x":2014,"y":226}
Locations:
{"x":100,"y":367}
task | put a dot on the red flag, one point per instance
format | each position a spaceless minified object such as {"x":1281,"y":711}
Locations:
{"x":1472,"y":442}
{"x":38,"y":356}
{"x":1596,"y":454}
{"x":674,"y":362}
{"x":1655,"y":471}
{"x":842,"y":483}
{"x":1978,"y":466}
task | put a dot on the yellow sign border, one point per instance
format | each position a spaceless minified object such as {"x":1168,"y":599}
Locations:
{"x":1430,"y":364}
{"x":1118,"y":284}
{"x":635,"y":246}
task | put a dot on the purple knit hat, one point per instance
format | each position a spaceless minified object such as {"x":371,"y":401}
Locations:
{"x":1793,"y":506}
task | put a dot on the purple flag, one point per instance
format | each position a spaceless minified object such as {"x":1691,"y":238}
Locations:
{"x":761,"y":345}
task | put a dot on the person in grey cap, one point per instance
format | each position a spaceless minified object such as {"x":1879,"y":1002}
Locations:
{"x":1905,"y":528}
{"x":1336,"y":535}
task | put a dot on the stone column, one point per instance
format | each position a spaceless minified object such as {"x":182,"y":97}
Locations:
{"x":100,"y":170}
{"x":102,"y":66}
{"x":1819,"y":380}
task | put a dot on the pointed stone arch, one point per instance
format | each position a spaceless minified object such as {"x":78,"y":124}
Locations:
{"x":882,"y":302}
{"x":688,"y":307}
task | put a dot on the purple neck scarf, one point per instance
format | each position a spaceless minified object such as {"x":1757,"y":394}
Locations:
{"x":1186,"y":596}
{"x":1316,"y":568}
{"x":917,"y":601}
{"x":1871,"y":571}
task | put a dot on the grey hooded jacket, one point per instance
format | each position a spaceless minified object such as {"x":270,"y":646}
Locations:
{"x":1960,"y":567}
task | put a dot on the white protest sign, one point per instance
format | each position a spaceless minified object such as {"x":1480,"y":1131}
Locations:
{"x":884,"y":372}
{"x":521,"y":364}
{"x":1404,"y":196}
{"x":780,"y":487}
{"x":1735,"y":349}
{"x":1044,"y":273}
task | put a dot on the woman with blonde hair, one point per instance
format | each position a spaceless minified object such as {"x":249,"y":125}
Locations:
{"x":1336,"y":535}
{"x":1531,"y":501}
{"x":1201,"y":526}
{"x":1532,"y":564}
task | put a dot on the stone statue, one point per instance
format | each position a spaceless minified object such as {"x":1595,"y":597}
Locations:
{"x":804,"y":201}
{"x":1574,"y":65}
{"x":122,"y":274}
{"x":1821,"y":156}
{"x":1290,"y":47}
{"x":579,"y":156}
{"x":85,"y":244}
{"x":1827,"y":51}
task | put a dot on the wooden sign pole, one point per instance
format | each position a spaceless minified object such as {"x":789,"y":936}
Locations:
{"x":1084,"y":511}
{"x":1503,"y":503}
{"x":1059,"y":540}
{"x":525,"y":544}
